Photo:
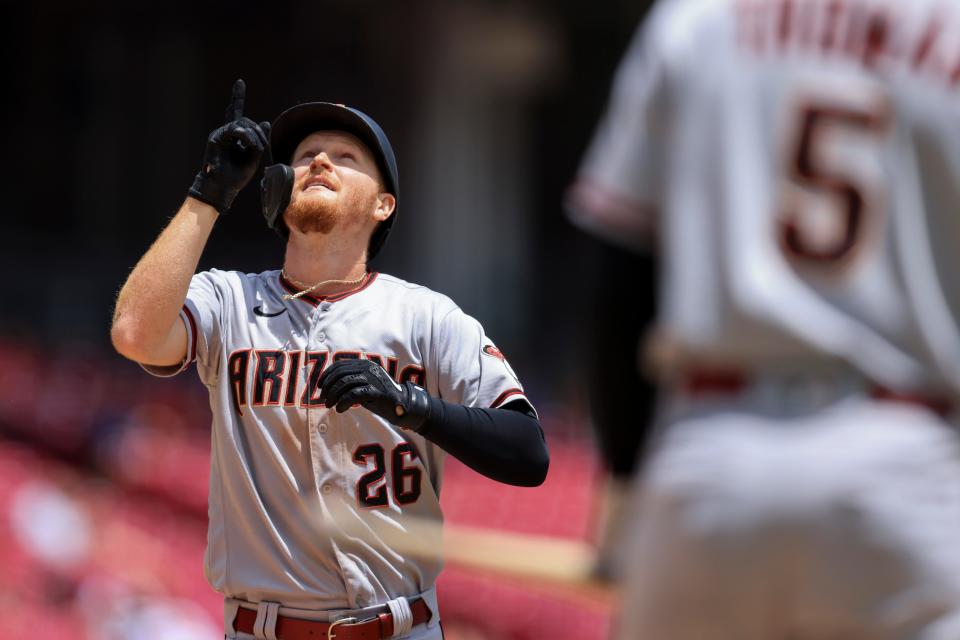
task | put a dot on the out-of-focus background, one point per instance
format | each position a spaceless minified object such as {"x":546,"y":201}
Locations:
{"x":103,"y":469}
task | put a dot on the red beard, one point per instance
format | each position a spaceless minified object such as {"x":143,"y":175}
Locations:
{"x":313,"y":214}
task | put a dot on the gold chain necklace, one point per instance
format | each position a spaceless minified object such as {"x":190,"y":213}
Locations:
{"x":307,"y":288}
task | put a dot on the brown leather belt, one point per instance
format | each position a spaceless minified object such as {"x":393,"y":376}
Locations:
{"x":376,"y":628}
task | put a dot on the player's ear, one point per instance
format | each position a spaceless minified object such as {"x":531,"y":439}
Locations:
{"x":386,"y":203}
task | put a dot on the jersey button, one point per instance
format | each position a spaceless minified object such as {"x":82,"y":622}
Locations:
{"x":321,"y":336}
{"x":322,"y":427}
{"x":327,"y":488}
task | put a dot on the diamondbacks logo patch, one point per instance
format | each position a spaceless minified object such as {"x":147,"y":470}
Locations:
{"x":491,"y":350}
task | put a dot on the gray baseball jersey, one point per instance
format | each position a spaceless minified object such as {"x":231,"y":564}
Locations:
{"x":802,"y":159}
{"x":279,"y":457}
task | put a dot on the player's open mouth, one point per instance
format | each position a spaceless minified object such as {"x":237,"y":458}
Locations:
{"x":320,"y":181}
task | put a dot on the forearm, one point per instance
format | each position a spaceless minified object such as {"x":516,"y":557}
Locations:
{"x":151,"y":298}
{"x":502,"y":444}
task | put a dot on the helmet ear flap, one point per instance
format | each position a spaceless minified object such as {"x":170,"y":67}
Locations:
{"x":276,"y":188}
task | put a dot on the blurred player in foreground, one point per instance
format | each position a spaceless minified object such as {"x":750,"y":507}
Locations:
{"x":333,"y":403}
{"x":797,"y":166}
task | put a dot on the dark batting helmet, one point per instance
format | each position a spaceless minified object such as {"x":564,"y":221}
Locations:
{"x":295,"y":124}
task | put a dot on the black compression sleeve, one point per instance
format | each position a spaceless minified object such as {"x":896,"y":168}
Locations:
{"x":506,"y":445}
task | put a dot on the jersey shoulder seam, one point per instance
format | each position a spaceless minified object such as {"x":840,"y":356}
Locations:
{"x":440,"y":299}
{"x":386,"y":278}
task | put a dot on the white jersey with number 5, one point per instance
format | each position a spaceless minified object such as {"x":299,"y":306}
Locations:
{"x":282,"y":464}
{"x":803,"y":161}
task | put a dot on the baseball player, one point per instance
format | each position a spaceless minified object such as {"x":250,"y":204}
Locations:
{"x":797,"y":164}
{"x":335,"y":390}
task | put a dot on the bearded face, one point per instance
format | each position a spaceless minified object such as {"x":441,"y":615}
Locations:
{"x":337,"y":185}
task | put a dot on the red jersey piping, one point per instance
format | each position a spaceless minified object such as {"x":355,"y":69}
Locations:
{"x":193,"y":335}
{"x":506,"y":394}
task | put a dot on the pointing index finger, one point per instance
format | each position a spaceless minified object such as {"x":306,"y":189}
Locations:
{"x":235,"y":110}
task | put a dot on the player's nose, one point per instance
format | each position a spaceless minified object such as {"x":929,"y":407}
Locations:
{"x":321,"y":161}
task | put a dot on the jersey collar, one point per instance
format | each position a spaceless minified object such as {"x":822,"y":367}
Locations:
{"x":315,"y":300}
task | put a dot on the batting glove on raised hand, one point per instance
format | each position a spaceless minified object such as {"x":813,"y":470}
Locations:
{"x":232,"y":155}
{"x":349,"y":382}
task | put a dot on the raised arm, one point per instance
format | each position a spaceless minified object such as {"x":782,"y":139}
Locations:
{"x":145,"y":321}
{"x":146,"y":327}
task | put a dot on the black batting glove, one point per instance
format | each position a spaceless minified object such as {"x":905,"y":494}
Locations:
{"x":349,"y":382}
{"x":232,"y":155}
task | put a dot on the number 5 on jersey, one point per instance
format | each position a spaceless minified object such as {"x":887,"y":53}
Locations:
{"x":834,"y":192}
{"x":372,"y":487}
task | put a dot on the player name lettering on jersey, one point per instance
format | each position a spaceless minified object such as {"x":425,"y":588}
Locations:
{"x":273,"y":377}
{"x":872,"y":35}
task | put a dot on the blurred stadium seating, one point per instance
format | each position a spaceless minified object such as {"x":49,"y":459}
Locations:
{"x":103,"y":484}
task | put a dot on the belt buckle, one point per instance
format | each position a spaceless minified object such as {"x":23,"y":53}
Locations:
{"x":330,"y":634}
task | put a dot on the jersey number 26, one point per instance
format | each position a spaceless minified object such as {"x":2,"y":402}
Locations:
{"x":406,"y":475}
